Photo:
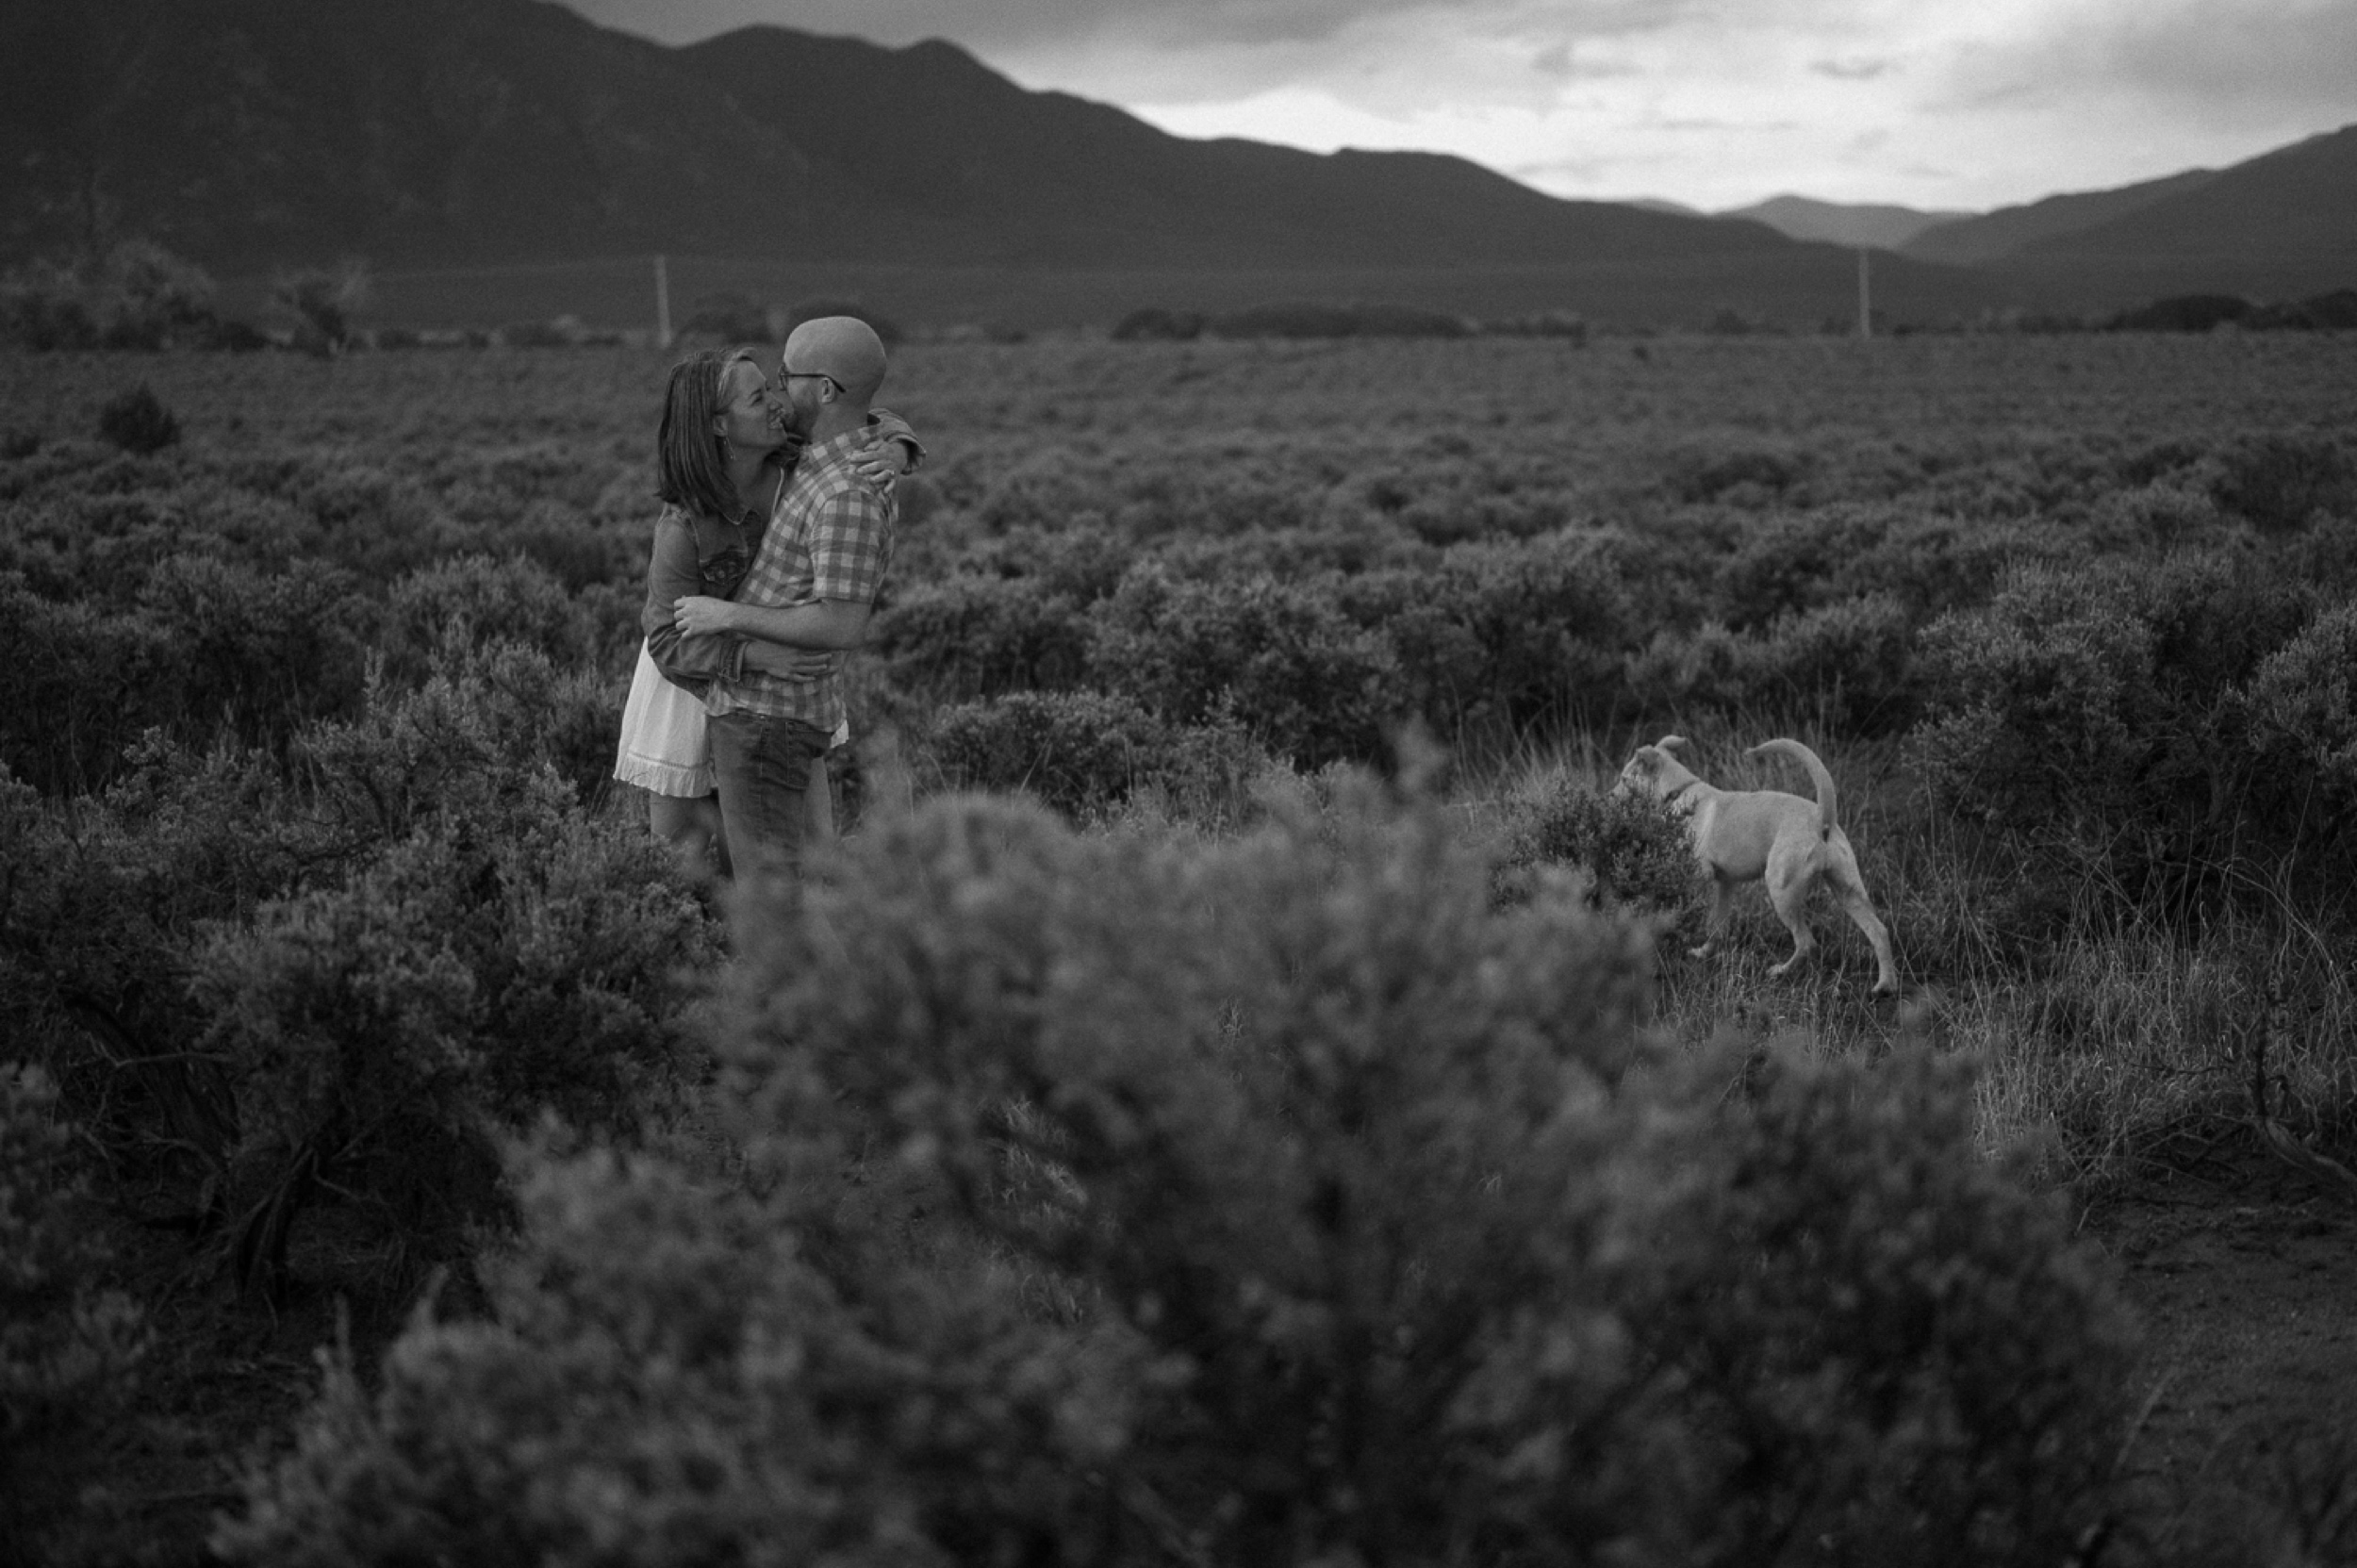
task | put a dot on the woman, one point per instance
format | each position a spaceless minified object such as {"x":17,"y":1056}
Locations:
{"x":719,"y":475}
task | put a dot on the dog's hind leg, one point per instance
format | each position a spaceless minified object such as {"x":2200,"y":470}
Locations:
{"x":1790,"y":897}
{"x":1851,"y":892}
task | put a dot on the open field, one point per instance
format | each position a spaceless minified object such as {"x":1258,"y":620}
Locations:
{"x":316,"y":894}
{"x":1804,"y":292}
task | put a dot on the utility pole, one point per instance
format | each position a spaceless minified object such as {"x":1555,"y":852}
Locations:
{"x":1865,"y":297}
{"x":661,"y":305}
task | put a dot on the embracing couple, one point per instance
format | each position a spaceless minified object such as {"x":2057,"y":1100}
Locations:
{"x":776,"y":532}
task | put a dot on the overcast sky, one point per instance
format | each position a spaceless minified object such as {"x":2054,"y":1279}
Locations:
{"x":1968,"y":103}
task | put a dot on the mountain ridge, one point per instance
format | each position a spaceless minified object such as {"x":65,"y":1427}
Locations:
{"x":444,"y":131}
{"x":1879,"y":225}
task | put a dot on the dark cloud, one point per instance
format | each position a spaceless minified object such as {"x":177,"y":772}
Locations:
{"x":1015,"y":24}
{"x":2222,"y":61}
{"x":1862,"y":70}
{"x":1022,"y":25}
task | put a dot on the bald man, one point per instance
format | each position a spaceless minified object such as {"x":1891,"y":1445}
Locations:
{"x":813,"y":585}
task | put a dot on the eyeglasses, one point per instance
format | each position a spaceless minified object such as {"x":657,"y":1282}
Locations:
{"x":786,"y":375}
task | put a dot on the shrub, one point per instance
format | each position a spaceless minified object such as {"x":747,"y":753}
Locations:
{"x":2279,"y":482}
{"x":1272,"y":1082}
{"x":322,"y":300}
{"x":1306,"y":683}
{"x":259,"y":654}
{"x":1309,"y":319}
{"x":1084,"y":751}
{"x":1638,"y":852}
{"x":42,"y":309}
{"x":477,"y":973}
{"x":1850,"y":664}
{"x":1349,"y":1225}
{"x":96,"y":917}
{"x":2183,"y":313}
{"x":1736,"y":472}
{"x":147,"y":297}
{"x":1149,"y":324}
{"x":477,"y":602}
{"x":1791,"y":562}
{"x":1895,"y":1355}
{"x":84,"y":683}
{"x":137,"y":420}
{"x":2094,"y":710}
{"x":971,"y":637}
{"x":667,"y":1379}
{"x":68,"y":1347}
{"x":2302,"y":723}
{"x":1516,"y":634}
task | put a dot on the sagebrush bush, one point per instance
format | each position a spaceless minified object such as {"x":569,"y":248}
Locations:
{"x":271,"y":981}
{"x":665,"y":1378}
{"x":1849,"y":663}
{"x":257,"y":654}
{"x":1893,"y":1352}
{"x":2280,"y":481}
{"x":975,"y":636}
{"x":1353,"y":1216}
{"x":492,"y":952}
{"x":477,"y":602}
{"x":471,"y":977}
{"x":1307,"y":683}
{"x":1638,"y":852}
{"x":87,"y":680}
{"x":69,"y":1346}
{"x":137,"y":420}
{"x":1084,"y":753}
{"x":2101,"y":711}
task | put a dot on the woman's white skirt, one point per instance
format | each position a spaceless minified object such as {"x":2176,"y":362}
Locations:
{"x":664,"y":747}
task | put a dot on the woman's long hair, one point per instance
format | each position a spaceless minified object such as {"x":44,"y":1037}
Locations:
{"x":691,"y":461}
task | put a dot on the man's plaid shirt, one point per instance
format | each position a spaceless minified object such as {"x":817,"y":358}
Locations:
{"x":831,"y":538}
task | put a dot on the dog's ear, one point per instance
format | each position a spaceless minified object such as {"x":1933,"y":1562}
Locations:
{"x":1672,"y":744}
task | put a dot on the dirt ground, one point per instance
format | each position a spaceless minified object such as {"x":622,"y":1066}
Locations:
{"x":2245,"y":1277}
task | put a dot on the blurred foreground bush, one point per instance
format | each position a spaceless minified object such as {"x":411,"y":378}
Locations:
{"x":1273,"y":1199}
{"x":67,"y":1345}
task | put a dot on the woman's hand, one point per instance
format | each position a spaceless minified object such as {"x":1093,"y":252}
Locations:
{"x":882,"y":462}
{"x":794,"y":663}
{"x":701,"y":615}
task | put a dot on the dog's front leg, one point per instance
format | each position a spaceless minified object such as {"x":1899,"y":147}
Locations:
{"x":1721,"y":905}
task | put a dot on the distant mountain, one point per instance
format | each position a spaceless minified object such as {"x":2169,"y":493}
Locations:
{"x":425,"y":133}
{"x":1967,"y":240}
{"x":1662,"y":203}
{"x":1841,"y":224}
{"x":952,"y":161}
{"x":2279,"y":226}
{"x":2296,"y":205}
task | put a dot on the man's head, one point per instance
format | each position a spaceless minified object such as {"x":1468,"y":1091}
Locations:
{"x":833,"y":362}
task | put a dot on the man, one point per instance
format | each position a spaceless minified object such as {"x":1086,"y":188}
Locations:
{"x":814,"y":584}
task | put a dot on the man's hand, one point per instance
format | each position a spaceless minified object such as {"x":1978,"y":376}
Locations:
{"x":702,"y":616}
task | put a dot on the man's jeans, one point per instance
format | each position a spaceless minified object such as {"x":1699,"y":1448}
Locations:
{"x":763,"y":770}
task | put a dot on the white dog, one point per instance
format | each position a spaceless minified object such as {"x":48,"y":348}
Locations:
{"x":1766,"y":834}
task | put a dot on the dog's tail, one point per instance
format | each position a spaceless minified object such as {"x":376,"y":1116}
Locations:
{"x":1828,"y":803}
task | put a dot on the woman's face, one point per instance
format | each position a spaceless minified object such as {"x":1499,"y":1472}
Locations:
{"x":747,"y":421}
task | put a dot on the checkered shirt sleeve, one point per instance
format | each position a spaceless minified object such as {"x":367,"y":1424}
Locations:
{"x":850,"y":543}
